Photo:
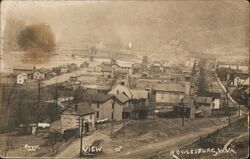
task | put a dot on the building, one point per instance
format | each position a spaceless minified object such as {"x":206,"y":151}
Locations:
{"x":72,"y":116}
{"x":27,"y":70}
{"x":107,"y":70}
{"x":122,"y":67}
{"x":139,"y":104}
{"x":120,"y":89}
{"x":22,"y":78}
{"x":169,"y":93}
{"x":39,"y":74}
{"x":108,"y":106}
{"x":156,"y":68}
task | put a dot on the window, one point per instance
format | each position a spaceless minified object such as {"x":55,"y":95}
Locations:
{"x":90,"y":116}
{"x":113,"y":105}
{"x":97,"y":114}
{"x":98,"y":105}
{"x":162,"y":96}
{"x":112,"y":115}
{"x":117,"y":91}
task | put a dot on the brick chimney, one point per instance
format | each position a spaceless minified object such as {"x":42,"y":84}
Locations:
{"x":76,"y":107}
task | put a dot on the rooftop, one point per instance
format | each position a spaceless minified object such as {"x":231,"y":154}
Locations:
{"x":82,"y":109}
{"x":169,"y":87}
{"x":139,"y":94}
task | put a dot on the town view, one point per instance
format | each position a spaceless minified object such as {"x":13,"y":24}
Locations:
{"x":126,"y":79}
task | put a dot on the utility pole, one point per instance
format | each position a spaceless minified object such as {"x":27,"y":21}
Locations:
{"x":81,"y":127}
{"x":228,"y":108}
{"x":39,"y":91}
{"x":182,"y":104}
{"x":112,"y":116}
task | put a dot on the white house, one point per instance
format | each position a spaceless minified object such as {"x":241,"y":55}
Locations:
{"x":120,"y":89}
{"x":72,"y":116}
{"x":39,"y":74}
{"x":22,"y":78}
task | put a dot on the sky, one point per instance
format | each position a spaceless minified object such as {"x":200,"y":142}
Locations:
{"x":159,"y":27}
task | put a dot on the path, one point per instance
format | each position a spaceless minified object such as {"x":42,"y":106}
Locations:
{"x":73,"y":149}
{"x":166,"y":146}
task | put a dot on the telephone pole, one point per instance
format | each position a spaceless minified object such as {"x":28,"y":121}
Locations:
{"x":39,"y":91}
{"x":182,"y":104}
{"x":228,"y":108}
{"x":81,"y":127}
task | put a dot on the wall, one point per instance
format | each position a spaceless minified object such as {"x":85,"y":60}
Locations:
{"x":38,"y":75}
{"x":90,"y":118}
{"x":169,"y":97}
{"x":105,"y":110}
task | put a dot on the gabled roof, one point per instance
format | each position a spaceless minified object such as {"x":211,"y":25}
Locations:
{"x":170,"y":87}
{"x":121,"y":98}
{"x":82,"y":109}
{"x":123,"y":64}
{"x":100,"y":97}
{"x":106,"y":68}
{"x":120,"y":89}
{"x":139,"y":94}
{"x":246,"y":82}
{"x":205,"y":100}
{"x":23,"y":74}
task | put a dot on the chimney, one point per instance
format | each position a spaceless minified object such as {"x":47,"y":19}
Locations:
{"x":76,"y":107}
{"x":187,"y":88}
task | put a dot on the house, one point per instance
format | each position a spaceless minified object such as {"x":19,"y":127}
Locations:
{"x":107,"y":70}
{"x":56,"y":71}
{"x":27,"y":70}
{"x":72,"y":67}
{"x":63,"y":69}
{"x":120,"y":89}
{"x":215,"y":101}
{"x":40,"y":74}
{"x":108,"y":106}
{"x":204,"y":101}
{"x":155,"y":68}
{"x":139,"y":104}
{"x":204,"y":104}
{"x":84,"y":65}
{"x":22,"y":78}
{"x":71,"y":118}
{"x":122,"y":67}
{"x":186,"y":107}
{"x":169,"y":93}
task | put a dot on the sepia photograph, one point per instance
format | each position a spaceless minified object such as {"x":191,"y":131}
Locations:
{"x":125,"y":79}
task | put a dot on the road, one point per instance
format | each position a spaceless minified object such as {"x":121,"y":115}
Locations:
{"x":165,"y":146}
{"x":73,"y":149}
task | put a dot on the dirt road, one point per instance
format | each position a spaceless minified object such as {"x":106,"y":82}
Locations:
{"x":73,"y":149}
{"x":165,"y":146}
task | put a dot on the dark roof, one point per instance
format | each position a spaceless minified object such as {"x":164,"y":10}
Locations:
{"x":106,"y":68}
{"x":171,"y":87}
{"x":204,"y":100}
{"x":121,"y":98}
{"x":82,"y":109}
{"x":100,"y":97}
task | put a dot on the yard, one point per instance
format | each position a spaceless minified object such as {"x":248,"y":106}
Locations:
{"x":13,"y":145}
